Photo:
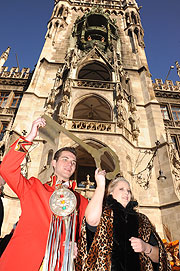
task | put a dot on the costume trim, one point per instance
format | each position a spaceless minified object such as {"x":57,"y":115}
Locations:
{"x":22,"y":144}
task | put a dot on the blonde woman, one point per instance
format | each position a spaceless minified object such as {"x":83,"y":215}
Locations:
{"x":114,"y":236}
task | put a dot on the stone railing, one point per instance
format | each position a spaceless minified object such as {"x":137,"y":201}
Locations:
{"x":14,"y":73}
{"x":168,"y":122}
{"x":102,"y":3}
{"x":94,"y":84}
{"x":167,"y":86}
{"x":93,"y":125}
{"x":177,"y":123}
{"x":7,"y":111}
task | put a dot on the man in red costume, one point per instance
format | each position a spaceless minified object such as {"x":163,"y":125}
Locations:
{"x":26,"y":250}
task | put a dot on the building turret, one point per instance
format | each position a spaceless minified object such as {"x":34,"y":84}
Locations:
{"x":4,"y":56}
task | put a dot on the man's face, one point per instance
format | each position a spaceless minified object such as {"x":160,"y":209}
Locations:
{"x":65,"y":166}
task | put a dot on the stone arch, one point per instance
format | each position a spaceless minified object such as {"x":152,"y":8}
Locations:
{"x":86,"y":164}
{"x":133,"y":17}
{"x":94,"y":70}
{"x":60,"y":11}
{"x":93,"y":107}
{"x":114,"y":12}
{"x":107,"y":11}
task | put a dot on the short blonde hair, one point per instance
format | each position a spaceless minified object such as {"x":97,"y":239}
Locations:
{"x":113,"y":184}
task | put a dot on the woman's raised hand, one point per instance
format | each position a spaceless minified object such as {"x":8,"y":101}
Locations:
{"x":100,"y":177}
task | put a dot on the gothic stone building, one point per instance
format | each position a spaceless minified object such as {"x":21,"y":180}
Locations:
{"x":92,"y":78}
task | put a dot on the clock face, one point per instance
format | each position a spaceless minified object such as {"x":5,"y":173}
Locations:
{"x":62,"y":202}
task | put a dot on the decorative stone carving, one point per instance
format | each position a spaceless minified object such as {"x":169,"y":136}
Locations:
{"x":134,"y":121}
{"x":178,"y":68}
{"x":51,"y":103}
{"x":121,"y":113}
{"x":67,"y":87}
{"x":132,"y":104}
{"x":77,"y":55}
{"x":134,"y":118}
{"x":64,"y":108}
{"x":175,"y":163}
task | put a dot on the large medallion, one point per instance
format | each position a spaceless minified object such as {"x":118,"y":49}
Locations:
{"x":62,"y":202}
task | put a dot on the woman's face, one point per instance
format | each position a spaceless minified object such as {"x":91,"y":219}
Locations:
{"x":122,"y":193}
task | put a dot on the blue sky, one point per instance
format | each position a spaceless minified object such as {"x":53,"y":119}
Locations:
{"x":23,"y":27}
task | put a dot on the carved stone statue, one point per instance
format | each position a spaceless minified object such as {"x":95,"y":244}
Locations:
{"x":134,"y":121}
{"x":67,"y":86}
{"x":64,"y":108}
{"x":50,"y":104}
{"x":59,"y":77}
{"x":119,"y":91}
{"x":132,"y":104}
{"x":175,"y":163}
{"x":121,"y":114}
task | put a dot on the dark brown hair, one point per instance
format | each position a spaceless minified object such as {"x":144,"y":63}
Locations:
{"x":58,"y":153}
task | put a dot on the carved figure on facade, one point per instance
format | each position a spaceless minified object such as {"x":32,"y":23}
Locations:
{"x":123,"y":75}
{"x":134,"y":121}
{"x":175,"y":163}
{"x":67,"y":87}
{"x":119,"y":92}
{"x":51,"y":103}
{"x":132,"y":104}
{"x":76,"y":56}
{"x":64,"y":108}
{"x":60,"y":75}
{"x":121,"y":113}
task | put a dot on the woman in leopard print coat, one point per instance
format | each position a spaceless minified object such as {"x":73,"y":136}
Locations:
{"x":115,"y":237}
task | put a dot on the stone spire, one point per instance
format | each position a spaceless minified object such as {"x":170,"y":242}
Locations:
{"x":4,"y":56}
{"x":178,"y":68}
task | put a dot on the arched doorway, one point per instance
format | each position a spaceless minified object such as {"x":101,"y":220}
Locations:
{"x":86,"y":164}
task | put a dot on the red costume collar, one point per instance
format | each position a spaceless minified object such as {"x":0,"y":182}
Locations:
{"x":52,"y":183}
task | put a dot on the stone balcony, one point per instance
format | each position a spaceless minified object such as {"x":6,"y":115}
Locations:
{"x":105,"y":85}
{"x":95,"y":126}
{"x":7,"y":111}
{"x":92,"y":125}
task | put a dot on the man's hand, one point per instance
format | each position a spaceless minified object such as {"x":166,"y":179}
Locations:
{"x":40,"y":122}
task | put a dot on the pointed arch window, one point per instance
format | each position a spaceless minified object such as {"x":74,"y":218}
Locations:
{"x":3,"y":98}
{"x":95,"y":71}
{"x":93,"y":107}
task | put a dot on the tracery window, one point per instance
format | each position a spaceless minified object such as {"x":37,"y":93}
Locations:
{"x":176,"y":112}
{"x":164,"y":111}
{"x":176,"y":141}
{"x":3,"y":98}
{"x":16,"y":101}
